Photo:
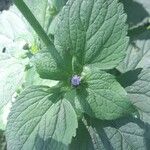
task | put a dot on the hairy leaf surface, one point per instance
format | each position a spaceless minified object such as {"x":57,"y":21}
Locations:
{"x":93,"y":31}
{"x":47,"y":67}
{"x":40,"y":120}
{"x":101,"y":96}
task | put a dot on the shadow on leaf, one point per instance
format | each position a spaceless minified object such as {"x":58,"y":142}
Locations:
{"x":128,"y":78}
{"x":110,"y":135}
{"x":135,"y":11}
{"x":48,"y":144}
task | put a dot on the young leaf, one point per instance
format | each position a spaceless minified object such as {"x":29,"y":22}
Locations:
{"x":40,"y":119}
{"x":102,"y":96}
{"x":93,"y":31}
{"x":122,"y":134}
{"x":47,"y":67}
{"x":139,"y":93}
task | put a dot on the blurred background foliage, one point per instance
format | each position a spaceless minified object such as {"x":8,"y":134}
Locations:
{"x":18,"y":43}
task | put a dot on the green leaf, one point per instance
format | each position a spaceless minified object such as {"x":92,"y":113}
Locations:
{"x":40,"y":119}
{"x":32,"y":78}
{"x":14,"y":34}
{"x":101,"y":96}
{"x":139,"y":93}
{"x":137,"y":54}
{"x":11,"y":78}
{"x":4,"y":112}
{"x":138,"y":51}
{"x":122,"y":134}
{"x":47,"y":67}
{"x":94,"y":32}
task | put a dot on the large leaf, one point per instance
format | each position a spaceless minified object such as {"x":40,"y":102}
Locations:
{"x":11,"y":78}
{"x":123,"y":134}
{"x":93,"y":32}
{"x":14,"y":34}
{"x":139,"y":93}
{"x":101,"y":96}
{"x":40,"y":119}
{"x":137,"y":54}
{"x":139,"y":49}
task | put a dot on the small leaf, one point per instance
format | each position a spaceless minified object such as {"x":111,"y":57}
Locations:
{"x":93,"y":31}
{"x":102,"y":96}
{"x":139,"y":93}
{"x":47,"y":67}
{"x":40,"y":119}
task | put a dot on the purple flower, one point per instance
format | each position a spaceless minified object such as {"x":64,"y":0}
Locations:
{"x":75,"y":81}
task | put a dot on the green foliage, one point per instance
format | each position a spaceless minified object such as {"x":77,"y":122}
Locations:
{"x":139,"y":94}
{"x":109,"y":109}
{"x":84,"y":31}
{"x":122,"y":134}
{"x":43,"y":120}
{"x":100,"y":99}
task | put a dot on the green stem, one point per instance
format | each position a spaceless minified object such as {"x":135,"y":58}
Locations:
{"x":36,"y":26}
